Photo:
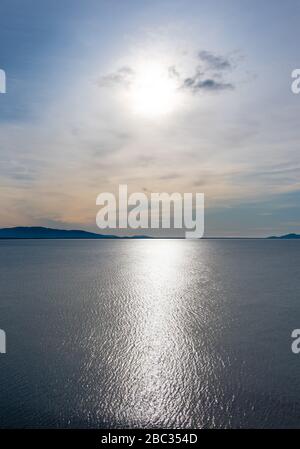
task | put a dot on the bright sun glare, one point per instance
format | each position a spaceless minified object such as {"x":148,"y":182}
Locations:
{"x":153,"y":92}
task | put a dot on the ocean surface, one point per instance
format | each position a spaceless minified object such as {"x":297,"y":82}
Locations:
{"x":149,"y":333}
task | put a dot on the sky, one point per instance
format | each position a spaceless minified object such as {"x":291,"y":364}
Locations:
{"x":164,"y":96}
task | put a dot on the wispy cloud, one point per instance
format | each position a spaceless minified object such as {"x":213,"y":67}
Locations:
{"x":213,"y":61}
{"x":122,"y":77}
{"x":207,"y":76}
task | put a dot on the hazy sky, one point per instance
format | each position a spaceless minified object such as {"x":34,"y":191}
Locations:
{"x":181,"y":95}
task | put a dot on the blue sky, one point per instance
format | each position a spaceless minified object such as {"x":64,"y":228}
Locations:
{"x":75,"y":120}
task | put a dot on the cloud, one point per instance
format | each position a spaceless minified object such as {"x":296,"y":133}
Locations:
{"x":214,"y":62}
{"x":197,"y":83}
{"x":208,"y":75}
{"x":122,"y":77}
{"x":173,"y":72}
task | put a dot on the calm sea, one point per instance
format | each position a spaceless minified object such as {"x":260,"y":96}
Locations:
{"x":149,"y":333}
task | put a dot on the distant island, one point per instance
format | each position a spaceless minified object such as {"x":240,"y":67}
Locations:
{"x":286,"y":237}
{"x":37,"y":232}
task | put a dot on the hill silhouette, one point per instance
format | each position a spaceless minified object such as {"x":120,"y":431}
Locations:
{"x":37,"y":232}
{"x":286,"y":237}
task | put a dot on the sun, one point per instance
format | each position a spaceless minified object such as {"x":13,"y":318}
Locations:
{"x":153,"y":92}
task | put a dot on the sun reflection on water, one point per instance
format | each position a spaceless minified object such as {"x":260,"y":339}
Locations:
{"x":158,"y":330}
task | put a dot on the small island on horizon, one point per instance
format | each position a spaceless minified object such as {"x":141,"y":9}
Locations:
{"x":40,"y":232}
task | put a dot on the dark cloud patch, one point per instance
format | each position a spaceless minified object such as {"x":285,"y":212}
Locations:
{"x":212,"y":85}
{"x":189,"y":82}
{"x":200,"y":83}
{"x":214,"y":62}
{"x":209,"y":74}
